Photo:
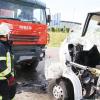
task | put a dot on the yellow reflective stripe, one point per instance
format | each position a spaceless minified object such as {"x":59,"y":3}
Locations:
{"x":12,"y":73}
{"x":2,"y":78}
{"x":0,"y":97}
{"x":13,"y":56}
{"x":8,"y":63}
{"x":5,"y":72}
{"x":2,"y":58}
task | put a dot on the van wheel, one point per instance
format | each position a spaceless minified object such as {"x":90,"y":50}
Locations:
{"x":60,"y":90}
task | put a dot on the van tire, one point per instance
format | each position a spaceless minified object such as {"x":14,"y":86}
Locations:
{"x":65,"y":86}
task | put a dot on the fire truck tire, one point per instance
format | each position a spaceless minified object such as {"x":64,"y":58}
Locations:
{"x":35,"y":64}
{"x":59,"y":90}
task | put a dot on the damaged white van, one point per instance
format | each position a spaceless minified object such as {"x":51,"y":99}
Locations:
{"x":77,"y":75}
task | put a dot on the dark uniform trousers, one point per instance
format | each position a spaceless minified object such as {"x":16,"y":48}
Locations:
{"x":6,"y":92}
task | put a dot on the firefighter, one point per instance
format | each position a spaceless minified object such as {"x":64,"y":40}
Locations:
{"x":7,"y":80}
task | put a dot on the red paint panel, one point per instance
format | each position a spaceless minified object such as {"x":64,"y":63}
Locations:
{"x":22,"y":29}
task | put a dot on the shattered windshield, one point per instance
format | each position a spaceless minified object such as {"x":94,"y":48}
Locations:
{"x":93,"y":31}
{"x":94,"y":25}
{"x":22,"y":12}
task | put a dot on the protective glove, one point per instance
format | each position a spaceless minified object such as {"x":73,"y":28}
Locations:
{"x":11,"y":81}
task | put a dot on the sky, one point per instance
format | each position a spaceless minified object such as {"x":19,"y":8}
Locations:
{"x":73,"y":10}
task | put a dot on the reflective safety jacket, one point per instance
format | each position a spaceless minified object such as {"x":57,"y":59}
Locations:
{"x":5,"y":61}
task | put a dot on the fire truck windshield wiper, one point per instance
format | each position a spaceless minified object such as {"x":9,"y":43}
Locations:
{"x":31,"y":21}
{"x":9,"y":18}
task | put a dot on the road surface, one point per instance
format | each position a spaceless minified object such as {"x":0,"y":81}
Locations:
{"x":31,"y":86}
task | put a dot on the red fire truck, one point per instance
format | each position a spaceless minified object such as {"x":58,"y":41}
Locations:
{"x":28,"y":21}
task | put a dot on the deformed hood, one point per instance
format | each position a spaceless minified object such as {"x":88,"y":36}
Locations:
{"x":88,"y":41}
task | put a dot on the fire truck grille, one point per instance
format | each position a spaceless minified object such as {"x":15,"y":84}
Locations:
{"x":22,"y":38}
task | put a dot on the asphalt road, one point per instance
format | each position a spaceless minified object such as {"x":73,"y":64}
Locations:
{"x":32,"y":85}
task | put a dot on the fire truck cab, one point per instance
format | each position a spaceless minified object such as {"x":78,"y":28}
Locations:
{"x":27,"y":21}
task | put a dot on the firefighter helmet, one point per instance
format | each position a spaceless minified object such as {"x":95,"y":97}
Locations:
{"x":4,"y":29}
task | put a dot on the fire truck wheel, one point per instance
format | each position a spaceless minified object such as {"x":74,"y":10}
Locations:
{"x":59,"y":90}
{"x":34,"y":65}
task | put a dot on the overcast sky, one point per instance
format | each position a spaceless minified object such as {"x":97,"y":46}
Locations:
{"x":73,"y":10}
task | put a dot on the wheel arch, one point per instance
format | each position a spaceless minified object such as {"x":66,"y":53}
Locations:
{"x":74,"y":80}
{"x":70,"y":86}
{"x":66,"y":82}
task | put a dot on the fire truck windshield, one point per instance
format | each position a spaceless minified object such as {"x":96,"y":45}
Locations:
{"x":22,"y":12}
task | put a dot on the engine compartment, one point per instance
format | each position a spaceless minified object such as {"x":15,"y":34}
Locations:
{"x":88,"y":58}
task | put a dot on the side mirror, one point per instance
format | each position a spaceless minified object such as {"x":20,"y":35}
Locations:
{"x":48,"y":18}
